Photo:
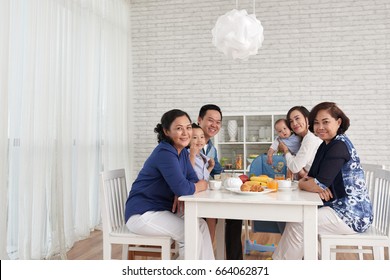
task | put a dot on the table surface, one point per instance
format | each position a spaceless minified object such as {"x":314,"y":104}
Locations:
{"x":286,"y":205}
{"x":289,"y":197}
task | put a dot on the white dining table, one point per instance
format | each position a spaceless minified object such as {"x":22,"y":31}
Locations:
{"x":289,"y":206}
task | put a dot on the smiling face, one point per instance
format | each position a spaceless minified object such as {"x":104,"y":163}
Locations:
{"x":325,"y":126}
{"x":211,"y":123}
{"x":198,"y":139}
{"x":298,"y":123}
{"x":180,"y":132}
{"x":282,"y":129}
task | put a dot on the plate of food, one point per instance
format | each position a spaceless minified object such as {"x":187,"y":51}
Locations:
{"x":238,"y":191}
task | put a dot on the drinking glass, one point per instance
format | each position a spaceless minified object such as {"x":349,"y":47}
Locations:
{"x":279,"y":176}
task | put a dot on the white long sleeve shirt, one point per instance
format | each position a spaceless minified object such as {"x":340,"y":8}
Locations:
{"x":305,"y":156}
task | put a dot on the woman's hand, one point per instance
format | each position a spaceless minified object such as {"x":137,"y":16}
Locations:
{"x":202,"y":185}
{"x":308,"y":184}
{"x":178,"y":206}
{"x":325,"y":194}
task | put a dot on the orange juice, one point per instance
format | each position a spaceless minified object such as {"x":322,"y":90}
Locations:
{"x":273,"y":185}
{"x":279,"y":176}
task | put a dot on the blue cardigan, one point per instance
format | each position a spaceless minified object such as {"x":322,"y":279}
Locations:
{"x":164,"y":175}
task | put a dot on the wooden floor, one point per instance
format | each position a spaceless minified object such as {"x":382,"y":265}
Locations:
{"x":92,"y":248}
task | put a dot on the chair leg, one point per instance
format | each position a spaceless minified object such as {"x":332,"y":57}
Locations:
{"x":131,"y":255}
{"x":325,"y":250}
{"x":106,"y":251}
{"x":125,"y":251}
{"x":174,"y":250}
{"x":378,"y":253}
{"x":360,"y":254}
{"x":166,"y":250}
{"x":333,"y":255}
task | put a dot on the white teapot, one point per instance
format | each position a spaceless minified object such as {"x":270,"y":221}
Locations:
{"x":233,"y":183}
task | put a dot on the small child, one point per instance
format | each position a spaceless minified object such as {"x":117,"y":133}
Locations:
{"x":292,"y":141}
{"x":202,"y":165}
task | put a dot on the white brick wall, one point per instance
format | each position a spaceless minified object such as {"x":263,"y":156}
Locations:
{"x":313,"y":51}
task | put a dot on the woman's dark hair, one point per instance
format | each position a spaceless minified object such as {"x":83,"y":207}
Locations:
{"x":166,"y":120}
{"x":301,"y":109}
{"x":205,"y":108}
{"x":334,"y":111}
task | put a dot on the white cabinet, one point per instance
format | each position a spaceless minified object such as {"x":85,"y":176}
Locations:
{"x":255,"y":133}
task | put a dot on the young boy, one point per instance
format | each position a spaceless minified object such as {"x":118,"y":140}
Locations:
{"x":292,"y":141}
{"x":202,"y":164}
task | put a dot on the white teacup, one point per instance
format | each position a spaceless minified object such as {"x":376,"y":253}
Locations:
{"x":284,"y":184}
{"x":215,"y":184}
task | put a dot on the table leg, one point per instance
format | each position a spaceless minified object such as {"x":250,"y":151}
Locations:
{"x":191,"y":231}
{"x":310,"y":232}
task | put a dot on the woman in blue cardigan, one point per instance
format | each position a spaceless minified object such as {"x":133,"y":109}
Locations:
{"x":167,"y":174}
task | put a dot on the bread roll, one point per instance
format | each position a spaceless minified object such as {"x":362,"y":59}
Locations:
{"x":245,"y":188}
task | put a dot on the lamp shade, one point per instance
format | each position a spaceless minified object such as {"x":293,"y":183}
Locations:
{"x":237,"y":34}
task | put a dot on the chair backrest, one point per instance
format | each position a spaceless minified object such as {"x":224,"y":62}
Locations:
{"x":381,"y":201}
{"x":369,"y":174}
{"x":260,"y":166}
{"x":114,"y":195}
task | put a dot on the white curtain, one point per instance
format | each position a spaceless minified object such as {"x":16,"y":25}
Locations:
{"x":63,"y":84}
{"x":4,"y":29}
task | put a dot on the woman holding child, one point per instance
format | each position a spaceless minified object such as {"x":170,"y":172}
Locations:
{"x":338,"y":178}
{"x":297,"y":119}
{"x":167,"y":173}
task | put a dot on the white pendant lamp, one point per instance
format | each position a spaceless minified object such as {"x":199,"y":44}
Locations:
{"x":237,"y":34}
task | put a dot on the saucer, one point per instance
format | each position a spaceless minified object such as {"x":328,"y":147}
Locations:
{"x":292,"y":188}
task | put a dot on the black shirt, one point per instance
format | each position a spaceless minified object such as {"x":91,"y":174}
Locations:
{"x":327,"y":165}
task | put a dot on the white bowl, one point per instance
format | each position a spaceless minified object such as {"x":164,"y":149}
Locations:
{"x":284,"y":184}
{"x":215,"y":184}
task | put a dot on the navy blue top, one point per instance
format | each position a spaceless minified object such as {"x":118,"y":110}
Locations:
{"x":337,"y":166}
{"x":164,"y":175}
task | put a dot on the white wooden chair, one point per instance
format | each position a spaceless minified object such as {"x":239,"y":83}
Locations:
{"x":377,"y":237}
{"x":369,"y":170}
{"x":115,"y":231}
